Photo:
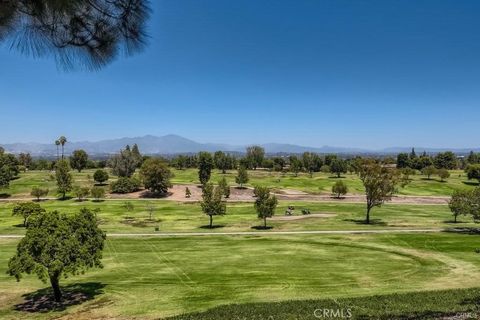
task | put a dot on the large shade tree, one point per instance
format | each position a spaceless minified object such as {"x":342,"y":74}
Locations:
{"x":380,"y":184}
{"x":212,"y":204}
{"x":77,"y":33}
{"x":156,"y":176}
{"x":57,"y":245}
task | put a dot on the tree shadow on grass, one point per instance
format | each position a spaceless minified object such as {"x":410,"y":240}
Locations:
{"x":464,"y":230}
{"x":65,"y":199}
{"x":42,"y":300}
{"x":373,"y":222}
{"x":154,"y":195}
{"x":215,"y":226}
{"x":262,"y":227}
{"x":471,"y":183}
{"x":5,"y":195}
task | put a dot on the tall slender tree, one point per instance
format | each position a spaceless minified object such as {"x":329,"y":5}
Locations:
{"x":57,"y":143}
{"x":63,"y":141}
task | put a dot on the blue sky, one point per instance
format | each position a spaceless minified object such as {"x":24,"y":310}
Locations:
{"x":360,"y":73}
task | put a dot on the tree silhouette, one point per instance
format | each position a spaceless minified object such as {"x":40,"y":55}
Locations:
{"x":79,"y":34}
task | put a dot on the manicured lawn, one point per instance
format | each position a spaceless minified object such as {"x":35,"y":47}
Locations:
{"x":320,"y":183}
{"x":171,"y":216}
{"x":159,"y":277}
{"x":439,"y":304}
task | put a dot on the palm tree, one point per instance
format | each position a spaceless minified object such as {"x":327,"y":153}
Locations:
{"x":62,"y":141}
{"x":57,"y":143}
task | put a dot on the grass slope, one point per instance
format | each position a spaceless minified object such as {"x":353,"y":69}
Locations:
{"x":153,"y":278}
{"x":446,"y":304}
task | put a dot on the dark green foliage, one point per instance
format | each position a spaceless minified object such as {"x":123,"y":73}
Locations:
{"x":156,"y":176}
{"x":295,"y":165}
{"x":443,"y":174}
{"x":473,"y":158}
{"x":242,"y":176}
{"x":223,"y":185}
{"x":205,"y":166}
{"x":445,"y":160}
{"x":338,"y":166}
{"x":224,"y":161}
{"x":379,"y":182}
{"x":255,"y":156}
{"x":82,"y":33}
{"x":466,"y":202}
{"x":212,"y":204}
{"x":97,"y":193}
{"x":403,"y":160}
{"x":9,"y":168}
{"x":25,"y":210}
{"x":124,"y":163}
{"x":81,"y":192}
{"x":38,"y":192}
{"x":429,"y":171}
{"x":459,"y":203}
{"x":100,"y":176}
{"x":311,"y":162}
{"x":445,"y":304}
{"x":64,"y":177}
{"x":473,"y":172}
{"x":339,"y":189}
{"x":25,"y":159}
{"x":125,"y":185}
{"x":79,"y":160}
{"x":265,"y":203}
{"x":57,"y":245}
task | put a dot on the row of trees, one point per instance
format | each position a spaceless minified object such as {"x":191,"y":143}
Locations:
{"x":443,"y":160}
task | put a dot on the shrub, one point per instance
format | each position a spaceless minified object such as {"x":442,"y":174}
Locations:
{"x":443,"y":174}
{"x":306,"y":211}
{"x":81,"y":192}
{"x":97,"y":193}
{"x":100,"y":176}
{"x":38,"y":192}
{"x":125,"y":185}
{"x":339,"y":189}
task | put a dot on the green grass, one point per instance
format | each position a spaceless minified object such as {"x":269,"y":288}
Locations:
{"x":160,"y":277}
{"x":418,"y":305}
{"x":171,"y":216}
{"x":320,"y":183}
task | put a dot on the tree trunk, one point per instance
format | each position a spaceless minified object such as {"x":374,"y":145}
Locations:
{"x":368,"y":215}
{"x":455,"y":218}
{"x":57,"y":293}
{"x":265,"y":222}
{"x":25,"y":222}
{"x":211,"y":221}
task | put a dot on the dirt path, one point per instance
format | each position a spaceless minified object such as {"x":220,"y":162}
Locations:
{"x":177,"y":193}
{"x":253,"y":233}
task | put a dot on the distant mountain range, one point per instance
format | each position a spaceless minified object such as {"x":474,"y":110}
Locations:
{"x":174,"y":144}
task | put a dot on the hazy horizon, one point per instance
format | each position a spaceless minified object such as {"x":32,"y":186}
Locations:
{"x":419,"y":147}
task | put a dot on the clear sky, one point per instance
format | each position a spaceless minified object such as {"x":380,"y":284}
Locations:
{"x":354,"y":73}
